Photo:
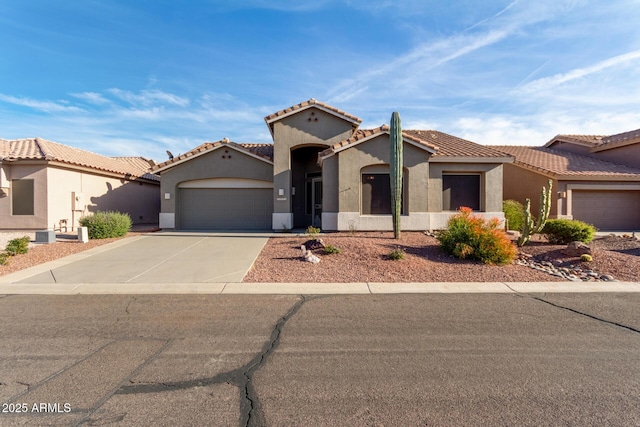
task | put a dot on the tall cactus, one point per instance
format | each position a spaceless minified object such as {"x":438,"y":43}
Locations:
{"x":529,"y":228}
{"x":395,"y":162}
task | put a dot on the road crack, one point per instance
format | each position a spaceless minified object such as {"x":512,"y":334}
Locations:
{"x":581,"y":313}
{"x":250,"y":412}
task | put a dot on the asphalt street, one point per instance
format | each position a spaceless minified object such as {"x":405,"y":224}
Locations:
{"x":357,"y":360}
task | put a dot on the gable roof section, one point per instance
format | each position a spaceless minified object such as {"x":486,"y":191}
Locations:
{"x":442,"y":146}
{"x":584,"y":140}
{"x":567,"y":165}
{"x":262,"y":152}
{"x":619,"y":140}
{"x":363,"y":135}
{"x":42,"y":149}
{"x":312,"y":103}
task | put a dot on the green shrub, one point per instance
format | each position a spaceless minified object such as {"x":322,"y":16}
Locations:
{"x":330,"y":249}
{"x":514,"y":214}
{"x":102,"y":225}
{"x":4,"y":258}
{"x":563,"y":231}
{"x":396,"y":254}
{"x":313,"y":232}
{"x":472,"y":236}
{"x":18,"y":246}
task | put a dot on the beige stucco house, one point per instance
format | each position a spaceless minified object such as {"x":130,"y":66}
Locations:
{"x":595,"y":178}
{"x":46,"y":185}
{"x":323,"y":170}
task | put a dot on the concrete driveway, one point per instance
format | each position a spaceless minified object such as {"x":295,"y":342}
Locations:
{"x":164,"y":257}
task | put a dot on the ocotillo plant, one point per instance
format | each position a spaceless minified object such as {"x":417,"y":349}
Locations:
{"x":529,"y":228}
{"x":395,"y":163}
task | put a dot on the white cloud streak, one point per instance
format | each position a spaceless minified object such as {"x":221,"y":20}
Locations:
{"x":40,"y":105}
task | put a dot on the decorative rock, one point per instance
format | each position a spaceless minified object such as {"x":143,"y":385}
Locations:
{"x":308,"y":255}
{"x":575,"y":249}
{"x":573,"y":273}
{"x":314,"y":244}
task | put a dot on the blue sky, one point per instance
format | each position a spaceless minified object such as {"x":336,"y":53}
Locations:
{"x":141,"y":77}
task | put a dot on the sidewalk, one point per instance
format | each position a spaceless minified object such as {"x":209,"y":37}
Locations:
{"x":314,"y":288}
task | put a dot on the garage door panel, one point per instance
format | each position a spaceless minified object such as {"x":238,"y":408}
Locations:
{"x":608,"y":210}
{"x":226,"y":208}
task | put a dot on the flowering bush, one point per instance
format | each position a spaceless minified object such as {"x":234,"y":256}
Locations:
{"x":471,"y":236}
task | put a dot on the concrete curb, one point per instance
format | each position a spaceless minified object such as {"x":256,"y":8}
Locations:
{"x":235,"y":288}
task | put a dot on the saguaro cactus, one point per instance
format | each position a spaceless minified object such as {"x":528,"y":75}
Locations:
{"x":395,"y":164}
{"x":529,"y":228}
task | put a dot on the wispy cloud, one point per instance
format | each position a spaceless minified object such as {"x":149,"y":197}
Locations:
{"x":148,"y":97}
{"x":551,"y":82}
{"x":91,"y":97}
{"x":40,"y":105}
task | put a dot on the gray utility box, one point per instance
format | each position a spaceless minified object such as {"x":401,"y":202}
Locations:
{"x":45,"y":236}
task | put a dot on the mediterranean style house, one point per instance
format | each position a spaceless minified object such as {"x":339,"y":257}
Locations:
{"x":46,"y":185}
{"x":323,"y":170}
{"x":596,"y":178}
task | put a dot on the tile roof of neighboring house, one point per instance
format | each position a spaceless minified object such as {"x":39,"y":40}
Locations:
{"x":308,"y":104}
{"x":42,"y":149}
{"x":264,"y":151}
{"x":564,"y":164}
{"x":587,"y":140}
{"x":617,"y":140}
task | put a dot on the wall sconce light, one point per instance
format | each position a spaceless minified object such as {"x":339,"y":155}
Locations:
{"x":280,"y":191}
{"x":293,"y":191}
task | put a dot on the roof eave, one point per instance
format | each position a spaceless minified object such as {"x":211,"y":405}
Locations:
{"x":470,"y":159}
{"x":206,"y":151}
{"x":355,"y":122}
{"x":612,"y":145}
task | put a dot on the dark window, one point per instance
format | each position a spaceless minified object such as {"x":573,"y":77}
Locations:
{"x":22,"y":196}
{"x":460,"y":190}
{"x":376,"y":194}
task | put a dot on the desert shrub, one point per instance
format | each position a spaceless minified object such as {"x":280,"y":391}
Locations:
{"x":396,"y":254}
{"x":313,"y":232}
{"x":330,"y":249}
{"x":471,"y":236}
{"x":586,"y":258}
{"x":4,"y":258}
{"x":18,"y":246}
{"x":563,"y":231}
{"x":102,"y":225}
{"x":513,"y":213}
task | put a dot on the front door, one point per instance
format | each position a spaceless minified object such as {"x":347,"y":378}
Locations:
{"x":316,"y":197}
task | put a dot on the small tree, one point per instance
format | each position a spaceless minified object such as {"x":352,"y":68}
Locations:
{"x":395,"y":164}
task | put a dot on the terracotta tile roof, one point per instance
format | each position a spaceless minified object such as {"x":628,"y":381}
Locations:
{"x":625,"y":138}
{"x":363,"y":134}
{"x":42,"y":149}
{"x":265,"y":151}
{"x":452,"y":146}
{"x":588,"y":140}
{"x":564,"y":164}
{"x":308,"y":104}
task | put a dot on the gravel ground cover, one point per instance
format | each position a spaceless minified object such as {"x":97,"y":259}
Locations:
{"x":364,"y":258}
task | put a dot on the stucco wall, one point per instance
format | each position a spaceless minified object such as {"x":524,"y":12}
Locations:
{"x":309,"y":127}
{"x":491,"y":183}
{"x":38,"y":220}
{"x":520,"y":184}
{"x":377,"y":152}
{"x":141,"y":200}
{"x":211,"y":165}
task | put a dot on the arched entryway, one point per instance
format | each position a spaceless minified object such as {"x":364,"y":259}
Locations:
{"x":306,"y":186}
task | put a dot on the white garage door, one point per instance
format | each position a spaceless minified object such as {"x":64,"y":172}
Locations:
{"x":608,"y":210}
{"x":226,"y":208}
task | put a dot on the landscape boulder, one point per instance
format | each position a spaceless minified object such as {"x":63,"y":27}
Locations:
{"x":576,"y":249}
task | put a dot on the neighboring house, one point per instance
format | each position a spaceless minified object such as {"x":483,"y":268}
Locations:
{"x":587,"y":184}
{"x":322,"y":170}
{"x":46,"y":185}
